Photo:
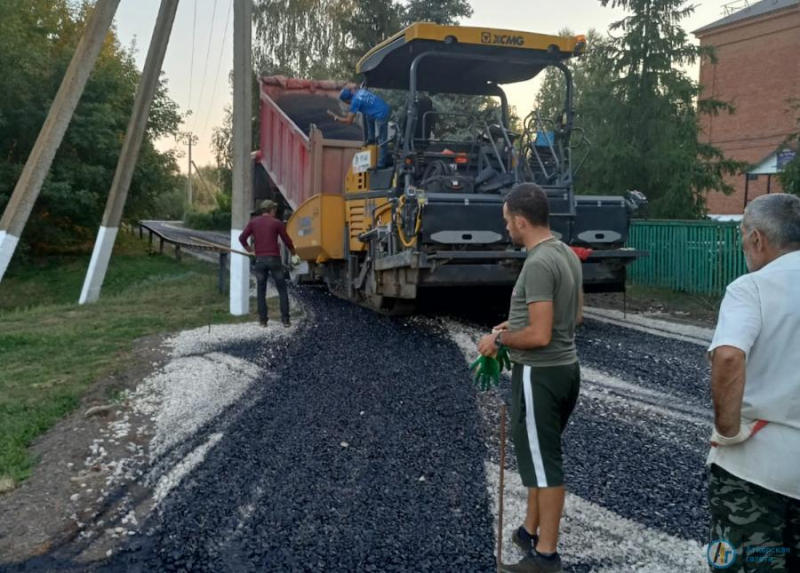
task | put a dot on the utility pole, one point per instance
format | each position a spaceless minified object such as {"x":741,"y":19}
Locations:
{"x":44,"y":150}
{"x":189,"y":178}
{"x":242,"y":142}
{"x":208,"y":187}
{"x":101,"y":254}
{"x":190,"y":139}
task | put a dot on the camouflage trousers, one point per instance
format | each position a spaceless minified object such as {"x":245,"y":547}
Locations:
{"x":759,"y":529}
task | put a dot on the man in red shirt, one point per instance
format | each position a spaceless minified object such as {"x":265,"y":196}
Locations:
{"x":265,"y":230}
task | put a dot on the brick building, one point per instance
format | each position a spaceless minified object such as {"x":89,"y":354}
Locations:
{"x":758,"y":70}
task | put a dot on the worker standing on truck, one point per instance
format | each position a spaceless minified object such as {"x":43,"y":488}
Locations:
{"x":540,"y":337}
{"x":376,"y":114}
{"x":265,"y":230}
{"x":754,"y":481}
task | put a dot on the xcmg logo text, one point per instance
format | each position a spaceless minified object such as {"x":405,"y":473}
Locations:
{"x":502,"y":39}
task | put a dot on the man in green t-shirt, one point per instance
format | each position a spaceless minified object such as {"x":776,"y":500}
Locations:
{"x":540,"y":335}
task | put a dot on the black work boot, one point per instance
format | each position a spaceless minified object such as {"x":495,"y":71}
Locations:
{"x":524,"y":540}
{"x":535,"y":563}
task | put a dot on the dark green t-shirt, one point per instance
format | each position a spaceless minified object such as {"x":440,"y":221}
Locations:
{"x":552,"y":272}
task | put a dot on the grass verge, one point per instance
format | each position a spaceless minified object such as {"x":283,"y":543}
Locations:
{"x":51,"y":349}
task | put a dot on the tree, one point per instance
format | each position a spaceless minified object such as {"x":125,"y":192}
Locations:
{"x":222,"y":140}
{"x":446,"y":12}
{"x":588,"y":72}
{"x":299,"y":38}
{"x":645,"y":119}
{"x":790,"y":176}
{"x":322,"y":39}
{"x":37,"y":40}
{"x":365,"y":24}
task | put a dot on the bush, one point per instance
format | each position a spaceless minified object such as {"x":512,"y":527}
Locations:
{"x":214,"y":221}
{"x":170,"y":206}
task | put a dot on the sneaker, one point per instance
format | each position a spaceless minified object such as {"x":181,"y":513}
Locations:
{"x":524,"y":540}
{"x":287,"y":323}
{"x":534,"y":563}
{"x":263,"y":324}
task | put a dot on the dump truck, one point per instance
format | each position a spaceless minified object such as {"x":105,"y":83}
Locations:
{"x":432,"y":217}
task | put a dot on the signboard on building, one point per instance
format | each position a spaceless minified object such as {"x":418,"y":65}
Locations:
{"x":785,"y":156}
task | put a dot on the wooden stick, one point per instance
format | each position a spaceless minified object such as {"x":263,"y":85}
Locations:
{"x":502,"y":484}
{"x":216,"y":246}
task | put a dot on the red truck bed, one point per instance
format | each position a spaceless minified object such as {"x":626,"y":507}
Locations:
{"x":303,"y":151}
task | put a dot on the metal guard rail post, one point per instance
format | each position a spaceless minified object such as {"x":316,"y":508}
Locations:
{"x":177,"y":244}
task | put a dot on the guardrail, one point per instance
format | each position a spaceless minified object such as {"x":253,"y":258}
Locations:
{"x":179,"y":244}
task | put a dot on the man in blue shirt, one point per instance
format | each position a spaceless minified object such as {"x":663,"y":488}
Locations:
{"x":376,"y":114}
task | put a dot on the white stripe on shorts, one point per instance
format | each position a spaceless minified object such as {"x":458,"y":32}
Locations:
{"x":530,"y":424}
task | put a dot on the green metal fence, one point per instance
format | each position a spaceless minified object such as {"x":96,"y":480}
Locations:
{"x":700,"y":257}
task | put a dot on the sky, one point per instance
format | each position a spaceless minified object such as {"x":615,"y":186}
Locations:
{"x":198,"y":78}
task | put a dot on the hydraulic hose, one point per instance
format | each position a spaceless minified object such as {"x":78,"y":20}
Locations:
{"x":403,"y":239}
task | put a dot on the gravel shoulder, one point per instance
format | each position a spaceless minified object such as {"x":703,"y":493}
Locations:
{"x":93,"y":473}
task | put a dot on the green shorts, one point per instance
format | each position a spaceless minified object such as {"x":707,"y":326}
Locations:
{"x":542,"y":399}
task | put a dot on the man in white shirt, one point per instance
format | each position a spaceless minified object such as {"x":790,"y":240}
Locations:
{"x":754,"y":483}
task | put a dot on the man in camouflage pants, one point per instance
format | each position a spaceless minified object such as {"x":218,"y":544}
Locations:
{"x":754,"y":483}
{"x":763,"y":527}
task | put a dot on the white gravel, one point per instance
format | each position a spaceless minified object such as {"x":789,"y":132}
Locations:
{"x":205,"y":339}
{"x":189,"y":391}
{"x":466,"y":337}
{"x":197,"y":383}
{"x":591,"y":532}
{"x":601,"y":385}
{"x":646,"y":323}
{"x":182,"y":469}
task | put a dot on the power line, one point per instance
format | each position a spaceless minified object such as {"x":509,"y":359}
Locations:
{"x":219,"y":65}
{"x":191,"y":61}
{"x":205,"y":64}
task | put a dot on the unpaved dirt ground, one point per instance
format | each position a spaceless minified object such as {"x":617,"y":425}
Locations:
{"x":68,"y":486}
{"x":700,"y":311}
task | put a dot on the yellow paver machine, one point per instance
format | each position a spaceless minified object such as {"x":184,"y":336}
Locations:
{"x":432,"y":217}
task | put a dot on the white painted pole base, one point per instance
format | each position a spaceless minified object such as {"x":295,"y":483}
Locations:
{"x":240,"y":278}
{"x":98,"y":266}
{"x":8,"y":244}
